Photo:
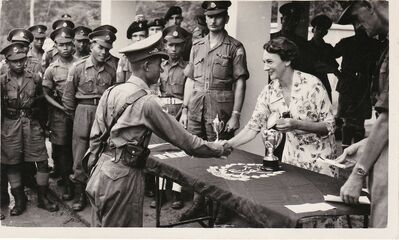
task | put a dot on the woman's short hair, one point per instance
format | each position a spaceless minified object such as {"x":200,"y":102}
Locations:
{"x":286,"y":49}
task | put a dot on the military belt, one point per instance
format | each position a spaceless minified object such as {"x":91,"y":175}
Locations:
{"x":92,"y":101}
{"x":170,"y":100}
{"x":17,"y":113}
{"x":207,"y":86}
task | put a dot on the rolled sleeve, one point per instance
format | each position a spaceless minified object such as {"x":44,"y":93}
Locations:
{"x":68,"y":98}
{"x":189,"y":70}
{"x":240,"y":70}
{"x":48,"y":79}
{"x":382,"y":104}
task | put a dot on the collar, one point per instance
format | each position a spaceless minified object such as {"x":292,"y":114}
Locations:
{"x":179,"y":62}
{"x":139,"y":82}
{"x":89,"y":64}
{"x":224,"y":40}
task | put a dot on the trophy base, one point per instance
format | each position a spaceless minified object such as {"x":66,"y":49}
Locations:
{"x":270,"y":166}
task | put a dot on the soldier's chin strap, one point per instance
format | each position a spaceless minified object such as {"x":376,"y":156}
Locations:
{"x":104,"y":137}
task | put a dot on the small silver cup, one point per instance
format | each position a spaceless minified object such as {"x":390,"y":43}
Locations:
{"x":271,"y":139}
{"x":218,"y":126}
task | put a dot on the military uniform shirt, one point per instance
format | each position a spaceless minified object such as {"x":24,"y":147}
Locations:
{"x":173,"y":79}
{"x":216,"y":69}
{"x":85,"y":82}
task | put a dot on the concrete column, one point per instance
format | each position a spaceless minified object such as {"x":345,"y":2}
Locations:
{"x":250,"y":24}
{"x":120,"y":14}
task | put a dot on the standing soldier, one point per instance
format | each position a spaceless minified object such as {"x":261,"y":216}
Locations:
{"x":52,"y":54}
{"x":174,"y":16}
{"x":22,"y":137}
{"x":322,"y":52}
{"x":111,"y":59}
{"x":59,"y":123}
{"x":116,"y":185}
{"x":156,"y":25}
{"x":137,"y":31}
{"x":31,"y":65}
{"x":215,"y":85}
{"x":172,"y":85}
{"x":82,"y":41}
{"x":86,"y":82}
{"x":359,"y":55}
{"x":39,"y":34}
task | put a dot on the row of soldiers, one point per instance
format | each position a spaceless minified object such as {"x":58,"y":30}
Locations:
{"x":58,"y":91}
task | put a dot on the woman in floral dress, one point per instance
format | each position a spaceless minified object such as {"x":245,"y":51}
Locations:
{"x":310,"y":126}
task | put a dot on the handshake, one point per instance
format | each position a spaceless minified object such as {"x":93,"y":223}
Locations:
{"x":227,"y":149}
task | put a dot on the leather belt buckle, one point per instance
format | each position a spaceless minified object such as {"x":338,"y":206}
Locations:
{"x":95,"y":101}
{"x":206,"y":86}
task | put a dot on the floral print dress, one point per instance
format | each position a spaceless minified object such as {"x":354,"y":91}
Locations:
{"x":309,"y":102}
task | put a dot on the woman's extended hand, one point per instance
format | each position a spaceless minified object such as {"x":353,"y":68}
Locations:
{"x":286,"y":124}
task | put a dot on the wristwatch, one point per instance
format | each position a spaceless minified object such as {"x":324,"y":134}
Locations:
{"x":360,"y":172}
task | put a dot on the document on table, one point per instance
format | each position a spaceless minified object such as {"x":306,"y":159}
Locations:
{"x":333,"y":198}
{"x":156,"y":145}
{"x":310,"y":207}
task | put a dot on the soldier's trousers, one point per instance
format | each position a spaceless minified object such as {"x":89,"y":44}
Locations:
{"x":378,"y":185}
{"x":63,"y":154}
{"x":116,"y":194}
{"x":84,"y":118}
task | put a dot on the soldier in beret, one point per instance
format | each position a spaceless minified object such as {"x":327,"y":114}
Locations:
{"x":201,"y":30}
{"x":174,"y":16}
{"x":137,"y":31}
{"x":52,"y":54}
{"x":22,"y":137}
{"x":156,"y":25}
{"x":60,"y":123}
{"x":215,"y":85}
{"x":115,"y":188}
{"x":322,"y":52}
{"x":82,"y":41}
{"x":86,"y":82}
{"x":39,"y":34}
{"x":111,"y":59}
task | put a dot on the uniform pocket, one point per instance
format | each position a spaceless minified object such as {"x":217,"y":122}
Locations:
{"x":198,"y":67}
{"x":177,"y":89}
{"x":88,"y":86}
{"x":221,"y":67}
{"x":114,"y":170}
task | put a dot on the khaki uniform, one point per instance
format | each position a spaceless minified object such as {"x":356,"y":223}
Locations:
{"x":113,"y":62}
{"x":83,"y":89}
{"x":49,"y":57}
{"x":378,"y":181}
{"x":55,"y":79}
{"x":123,"y":69}
{"x":115,"y":191}
{"x":22,"y":137}
{"x":214,"y":72}
{"x":172,"y":82}
{"x":38,"y":55}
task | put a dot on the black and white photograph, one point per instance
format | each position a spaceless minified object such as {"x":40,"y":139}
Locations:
{"x":240,"y":116}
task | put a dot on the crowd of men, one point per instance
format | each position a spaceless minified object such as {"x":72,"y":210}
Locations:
{"x":73,"y":93}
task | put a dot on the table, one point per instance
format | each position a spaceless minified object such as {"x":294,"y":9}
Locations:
{"x":260,"y":201}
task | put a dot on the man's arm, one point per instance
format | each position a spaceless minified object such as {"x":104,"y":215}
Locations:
{"x":167,"y":128}
{"x":188,"y":90}
{"x":239,"y":95}
{"x":376,"y":142}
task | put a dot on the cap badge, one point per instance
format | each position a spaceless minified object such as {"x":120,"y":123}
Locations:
{"x":140,"y":25}
{"x":82,"y":32}
{"x":65,"y":24}
{"x":63,"y":34}
{"x":107,"y":37}
{"x":155,"y":50}
{"x":15,"y":49}
{"x":39,"y":30}
{"x":213,"y":5}
{"x":175,"y":34}
{"x":156,"y":22}
{"x":22,"y":35}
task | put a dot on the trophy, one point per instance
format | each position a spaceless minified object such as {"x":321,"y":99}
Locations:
{"x":217,"y":126}
{"x":271,"y":139}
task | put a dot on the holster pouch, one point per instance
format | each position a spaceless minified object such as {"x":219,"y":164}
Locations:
{"x":134,"y":156}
